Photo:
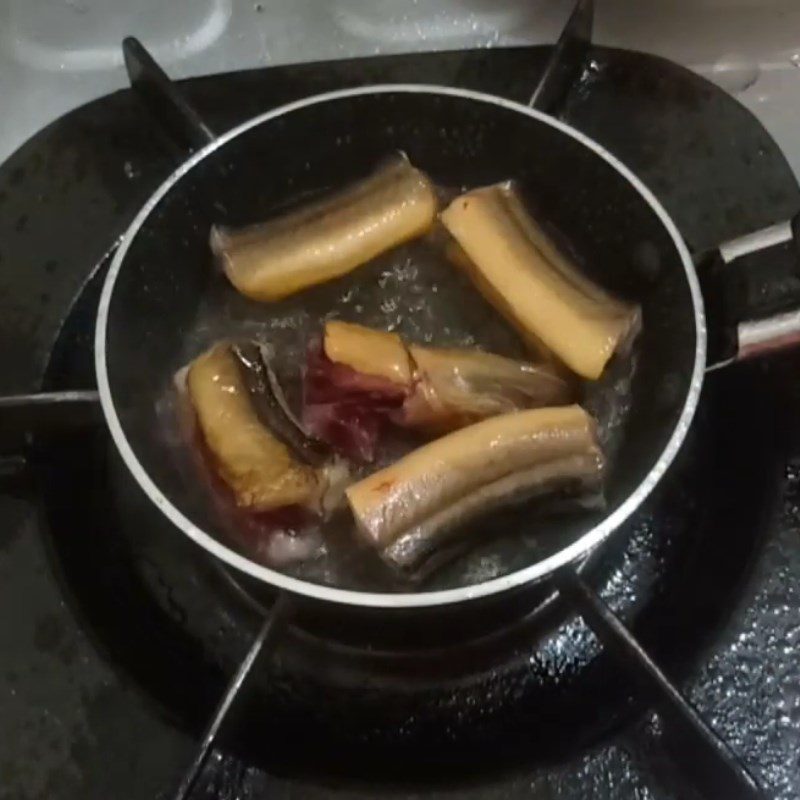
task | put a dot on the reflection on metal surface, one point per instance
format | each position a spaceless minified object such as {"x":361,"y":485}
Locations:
{"x":765,"y":335}
{"x":84,"y":35}
{"x":758,"y":240}
{"x":734,"y":75}
{"x":393,"y":23}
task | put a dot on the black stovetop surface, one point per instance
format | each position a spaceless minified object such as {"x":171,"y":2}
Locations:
{"x":80,"y":720}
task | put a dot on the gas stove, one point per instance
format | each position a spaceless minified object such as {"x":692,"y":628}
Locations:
{"x":120,"y":637}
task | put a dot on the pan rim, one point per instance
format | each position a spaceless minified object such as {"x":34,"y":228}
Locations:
{"x":495,"y":586}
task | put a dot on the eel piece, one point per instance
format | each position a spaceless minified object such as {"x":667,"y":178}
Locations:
{"x":380,"y":354}
{"x":434,"y":390}
{"x":261,"y":471}
{"x":415,"y":506}
{"x":456,"y":255}
{"x":454,"y":387}
{"x":520,"y":270}
{"x":330,"y":237}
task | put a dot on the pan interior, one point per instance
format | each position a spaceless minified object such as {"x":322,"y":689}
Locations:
{"x":169,"y":300}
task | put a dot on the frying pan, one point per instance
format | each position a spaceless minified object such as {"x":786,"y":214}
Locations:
{"x":164,"y":300}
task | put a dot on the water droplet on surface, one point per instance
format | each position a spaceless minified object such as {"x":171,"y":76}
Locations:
{"x":130,"y":170}
{"x":735,"y":75}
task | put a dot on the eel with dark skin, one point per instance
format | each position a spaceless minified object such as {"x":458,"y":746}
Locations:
{"x":413,"y":510}
{"x":269,"y":478}
{"x":330,"y":237}
{"x":358,"y":379}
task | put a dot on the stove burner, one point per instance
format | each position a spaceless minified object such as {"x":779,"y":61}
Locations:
{"x":333,"y":703}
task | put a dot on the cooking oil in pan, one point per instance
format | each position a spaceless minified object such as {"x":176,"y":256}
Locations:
{"x":414,"y":291}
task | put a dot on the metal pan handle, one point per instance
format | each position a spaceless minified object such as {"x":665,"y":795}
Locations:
{"x":752,"y":292}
